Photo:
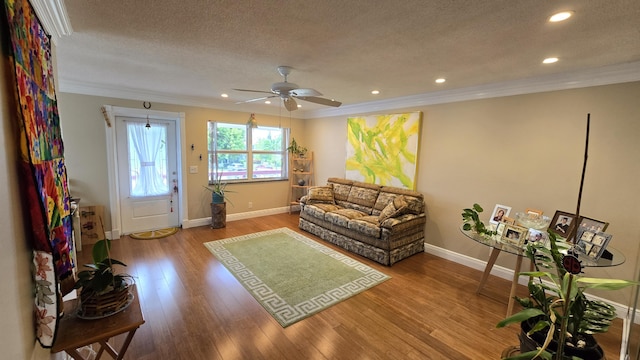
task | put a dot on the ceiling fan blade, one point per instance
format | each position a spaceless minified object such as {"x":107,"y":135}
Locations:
{"x":319,"y":100}
{"x":305,"y":92}
{"x":256,"y":99}
{"x":258,"y":91}
{"x":290,"y":104}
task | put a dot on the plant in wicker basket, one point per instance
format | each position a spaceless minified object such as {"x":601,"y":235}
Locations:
{"x":103,"y":292}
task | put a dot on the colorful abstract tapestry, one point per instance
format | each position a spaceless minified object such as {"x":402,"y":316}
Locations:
{"x":383,"y":149}
{"x":43,"y":173}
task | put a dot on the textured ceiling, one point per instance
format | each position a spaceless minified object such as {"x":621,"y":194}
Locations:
{"x":190,"y":52}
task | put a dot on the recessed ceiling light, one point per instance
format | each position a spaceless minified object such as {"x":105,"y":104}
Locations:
{"x":550,"y":60}
{"x":441,"y":80}
{"x":225,"y":95}
{"x":267,"y":102}
{"x":299,"y":105}
{"x":375,"y":92}
{"x":561,"y":16}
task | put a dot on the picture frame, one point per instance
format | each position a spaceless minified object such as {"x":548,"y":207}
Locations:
{"x":508,"y":220}
{"x":514,"y":235}
{"x":563,"y":224}
{"x":498,"y":213}
{"x":592,"y":224}
{"x":531,"y":212}
{"x":592,"y":243}
{"x":537,"y":236}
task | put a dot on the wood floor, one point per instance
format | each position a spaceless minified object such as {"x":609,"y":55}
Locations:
{"x":195,"y":309}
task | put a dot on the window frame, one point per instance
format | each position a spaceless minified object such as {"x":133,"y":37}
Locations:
{"x":213,"y":152}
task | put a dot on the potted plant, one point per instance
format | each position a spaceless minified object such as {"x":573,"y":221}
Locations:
{"x":296,"y":149}
{"x":103,"y":292}
{"x":218,"y":202}
{"x":557,"y":310}
{"x":472,"y":222}
{"x":218,"y":190}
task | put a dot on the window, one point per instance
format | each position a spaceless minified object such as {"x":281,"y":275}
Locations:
{"x":238,"y":152}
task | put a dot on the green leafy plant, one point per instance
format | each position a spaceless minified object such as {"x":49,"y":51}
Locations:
{"x":101,"y":278}
{"x":218,"y":189}
{"x":559,"y":305}
{"x":472,"y":222}
{"x":296,"y":149}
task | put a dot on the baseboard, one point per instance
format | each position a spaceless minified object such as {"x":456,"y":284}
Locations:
{"x":237,"y":216}
{"x":507,"y":274}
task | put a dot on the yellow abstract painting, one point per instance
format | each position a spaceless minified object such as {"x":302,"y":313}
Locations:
{"x":383,"y":149}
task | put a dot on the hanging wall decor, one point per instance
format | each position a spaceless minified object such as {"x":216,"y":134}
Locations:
{"x":383,"y":149}
{"x":43,"y":172}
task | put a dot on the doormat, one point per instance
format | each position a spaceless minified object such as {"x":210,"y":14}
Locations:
{"x":154,"y":234}
{"x":292,"y":276}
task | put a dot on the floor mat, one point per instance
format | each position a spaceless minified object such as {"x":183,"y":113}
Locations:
{"x":154,"y":234}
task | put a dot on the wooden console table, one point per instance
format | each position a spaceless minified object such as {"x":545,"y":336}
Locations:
{"x":75,"y":333}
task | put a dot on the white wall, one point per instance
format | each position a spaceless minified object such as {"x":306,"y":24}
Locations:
{"x":522,"y":151}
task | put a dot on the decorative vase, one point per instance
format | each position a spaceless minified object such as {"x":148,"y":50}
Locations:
{"x":217,"y":198}
{"x":218,"y":215}
{"x":301,"y":182}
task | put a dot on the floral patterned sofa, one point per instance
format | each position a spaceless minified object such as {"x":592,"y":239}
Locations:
{"x":382,"y":223}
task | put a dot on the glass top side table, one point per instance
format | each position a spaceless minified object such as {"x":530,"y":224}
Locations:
{"x":612,"y":257}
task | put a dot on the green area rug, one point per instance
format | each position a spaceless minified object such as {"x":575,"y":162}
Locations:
{"x":290,"y":275}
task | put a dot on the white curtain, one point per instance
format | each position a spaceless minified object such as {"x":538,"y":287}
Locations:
{"x":148,"y":159}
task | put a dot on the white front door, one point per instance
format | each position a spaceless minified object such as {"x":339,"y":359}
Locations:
{"x":147,"y":173}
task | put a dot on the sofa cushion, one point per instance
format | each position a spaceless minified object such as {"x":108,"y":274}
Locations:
{"x":342,"y":217}
{"x":363,"y":194}
{"x":395,"y":208}
{"x":341,"y":188}
{"x":319,"y":210}
{"x":414,"y":199}
{"x":366,"y":225}
{"x":320,"y":195}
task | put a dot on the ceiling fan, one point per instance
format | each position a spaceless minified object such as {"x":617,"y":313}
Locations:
{"x":288,"y":92}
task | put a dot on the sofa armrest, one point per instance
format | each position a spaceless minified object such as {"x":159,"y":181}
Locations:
{"x":303,"y":200}
{"x":404,"y":222}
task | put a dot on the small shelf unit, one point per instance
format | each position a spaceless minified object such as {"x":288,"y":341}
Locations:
{"x":301,"y":178}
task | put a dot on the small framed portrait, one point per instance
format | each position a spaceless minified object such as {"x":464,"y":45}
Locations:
{"x":509,"y":221}
{"x":600,"y":241}
{"x":514,"y":235}
{"x":533,"y":213}
{"x":499,"y":212}
{"x":592,"y":243}
{"x":592,"y":224}
{"x":537,"y":236}
{"x":563,"y":224}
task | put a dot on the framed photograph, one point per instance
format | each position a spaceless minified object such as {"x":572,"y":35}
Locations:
{"x":592,"y":224}
{"x":537,"y":236}
{"x":563,"y":224}
{"x":592,"y":243}
{"x":533,"y":213}
{"x":514,"y":235}
{"x":509,"y":221}
{"x":498,"y":213}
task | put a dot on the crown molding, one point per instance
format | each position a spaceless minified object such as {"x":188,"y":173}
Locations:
{"x":613,"y":74}
{"x":607,"y":75}
{"x":54,"y":17}
{"x":94,"y":89}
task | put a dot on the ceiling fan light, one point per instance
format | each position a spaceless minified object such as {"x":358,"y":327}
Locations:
{"x":252,"y":123}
